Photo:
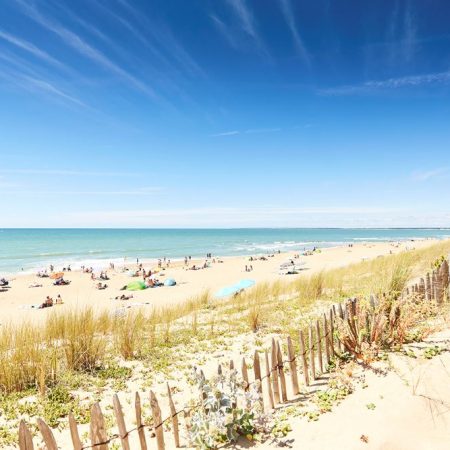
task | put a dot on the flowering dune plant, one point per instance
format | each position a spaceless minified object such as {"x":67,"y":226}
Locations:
{"x":226,"y":410}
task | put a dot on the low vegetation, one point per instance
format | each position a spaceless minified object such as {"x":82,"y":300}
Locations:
{"x":85,"y":349}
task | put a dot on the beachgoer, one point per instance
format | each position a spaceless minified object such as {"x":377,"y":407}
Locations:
{"x":47,"y":303}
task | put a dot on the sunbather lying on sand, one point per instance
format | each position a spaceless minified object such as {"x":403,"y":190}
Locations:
{"x":124,"y":297}
{"x":101,"y":286}
{"x":47,"y":304}
{"x":35,"y":285}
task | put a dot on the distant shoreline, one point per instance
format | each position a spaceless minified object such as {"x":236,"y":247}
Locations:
{"x":34,"y":249}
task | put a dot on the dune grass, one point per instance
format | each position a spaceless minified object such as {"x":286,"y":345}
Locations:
{"x":33,"y":356}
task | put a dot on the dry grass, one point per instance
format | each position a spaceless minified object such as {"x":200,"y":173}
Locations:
{"x":81,"y":340}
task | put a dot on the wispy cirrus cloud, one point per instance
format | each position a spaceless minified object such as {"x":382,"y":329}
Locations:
{"x":33,"y":82}
{"x":374,"y":86}
{"x":246,"y":23}
{"x":65,"y":172}
{"x":430,"y":174}
{"x":249,"y":131}
{"x":402,"y":34}
{"x":74,"y":41}
{"x":147,"y":191}
{"x":226,"y":133}
{"x":163,"y":38}
{"x":31,"y":48}
{"x":286,"y":8}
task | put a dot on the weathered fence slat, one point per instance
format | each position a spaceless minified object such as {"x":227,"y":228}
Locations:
{"x":157,"y":421}
{"x":74,"y":434}
{"x":303,"y":357}
{"x":173,"y":413}
{"x":281,"y":373}
{"x":327,"y":339}
{"x":312,"y":363}
{"x":292,"y":366}
{"x":319,"y":346}
{"x":98,"y":428}
{"x":274,"y":373}
{"x":25,"y":438}
{"x":268,"y":381}
{"x":257,"y":374}
{"x":332,"y":333}
{"x":244,"y":370}
{"x":47,"y":435}
{"x":123,"y":434}
{"x":138,"y":410}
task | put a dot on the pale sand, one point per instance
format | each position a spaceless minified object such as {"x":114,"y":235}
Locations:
{"x":15,"y":303}
{"x":412,"y":408}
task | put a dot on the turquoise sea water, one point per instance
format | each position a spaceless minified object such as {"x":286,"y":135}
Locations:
{"x":31,"y":249}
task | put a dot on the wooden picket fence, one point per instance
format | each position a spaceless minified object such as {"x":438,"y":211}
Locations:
{"x":272,"y":379}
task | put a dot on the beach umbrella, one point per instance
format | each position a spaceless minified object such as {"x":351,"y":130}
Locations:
{"x":244,"y":284}
{"x":231,"y":290}
{"x":170,"y":282}
{"x":136,"y":286}
{"x":226,"y":291}
{"x":55,"y":276}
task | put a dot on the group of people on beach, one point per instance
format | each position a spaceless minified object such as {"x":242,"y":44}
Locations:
{"x":48,"y":303}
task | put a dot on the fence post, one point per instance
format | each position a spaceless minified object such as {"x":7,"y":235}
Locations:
{"x":332,"y":333}
{"x":433,"y":285}
{"x":173,"y":413}
{"x":138,"y":410}
{"x":422,"y":289}
{"x":157,"y":422}
{"x":281,"y":373}
{"x":98,"y":429}
{"x":327,"y":338}
{"x":268,"y":377}
{"x":47,"y":435}
{"x":292,"y":366}
{"x":319,"y":346}
{"x":311,"y":352}
{"x":427,"y":287}
{"x":76,"y":441}
{"x":244,"y":371}
{"x":123,"y":434}
{"x":257,"y":373}
{"x":303,"y":356}
{"x":274,"y":373}
{"x":25,"y":438}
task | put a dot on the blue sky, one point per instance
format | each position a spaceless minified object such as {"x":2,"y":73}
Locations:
{"x":154,"y":113}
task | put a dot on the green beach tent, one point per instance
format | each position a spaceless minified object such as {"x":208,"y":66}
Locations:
{"x":136,"y":286}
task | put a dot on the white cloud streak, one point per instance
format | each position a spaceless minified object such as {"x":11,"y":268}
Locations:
{"x":57,"y":193}
{"x":369,"y":87}
{"x":246,"y":22}
{"x":78,"y":44}
{"x":288,"y":14}
{"x":430,"y":174}
{"x":270,"y":216}
{"x":249,"y":131}
{"x":64,"y":172}
{"x":34,"y":83}
{"x":31,"y":48}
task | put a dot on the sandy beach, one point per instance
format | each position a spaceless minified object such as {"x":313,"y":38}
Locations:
{"x":17,"y":301}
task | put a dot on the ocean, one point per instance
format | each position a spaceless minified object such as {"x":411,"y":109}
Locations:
{"x":32,"y":249}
